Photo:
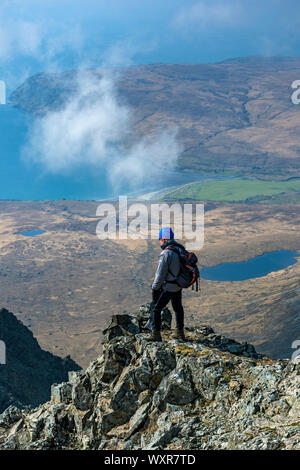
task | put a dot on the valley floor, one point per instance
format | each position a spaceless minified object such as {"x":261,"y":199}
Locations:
{"x":65,"y":283}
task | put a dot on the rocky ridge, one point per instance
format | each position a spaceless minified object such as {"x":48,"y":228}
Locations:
{"x":209,"y":392}
{"x":29,"y":372}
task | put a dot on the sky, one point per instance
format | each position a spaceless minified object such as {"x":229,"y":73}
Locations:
{"x":51,"y":35}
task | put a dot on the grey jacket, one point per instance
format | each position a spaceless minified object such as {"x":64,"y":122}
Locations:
{"x":167,"y":270}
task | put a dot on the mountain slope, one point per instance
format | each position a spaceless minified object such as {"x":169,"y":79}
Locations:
{"x":207,"y":393}
{"x":236,"y":115}
{"x":29,"y":371}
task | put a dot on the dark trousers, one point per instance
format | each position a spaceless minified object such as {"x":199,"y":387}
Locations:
{"x":160,"y":300}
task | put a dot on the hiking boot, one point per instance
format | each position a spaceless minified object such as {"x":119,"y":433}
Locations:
{"x":179,"y":334}
{"x":155,"y":336}
{"x":149,"y":325}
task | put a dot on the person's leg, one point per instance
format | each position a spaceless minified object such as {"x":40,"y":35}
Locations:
{"x":160,"y":304}
{"x":155,"y":296}
{"x":176,"y":300}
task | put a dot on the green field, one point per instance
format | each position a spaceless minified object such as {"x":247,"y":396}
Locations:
{"x":235,"y":190}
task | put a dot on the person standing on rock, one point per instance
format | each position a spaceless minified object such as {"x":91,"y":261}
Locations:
{"x":165,"y":288}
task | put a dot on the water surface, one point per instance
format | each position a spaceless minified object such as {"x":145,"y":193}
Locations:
{"x":255,"y":267}
{"x":31,"y":233}
{"x":28,"y":181}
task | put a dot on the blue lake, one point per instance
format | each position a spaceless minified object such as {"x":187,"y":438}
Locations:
{"x":31,"y":233}
{"x":255,"y":267}
{"x":20,"y":180}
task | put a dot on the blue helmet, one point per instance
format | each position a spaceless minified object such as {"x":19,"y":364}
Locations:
{"x":166,"y":233}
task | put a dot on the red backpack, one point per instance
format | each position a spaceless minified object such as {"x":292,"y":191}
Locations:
{"x":189,"y":274}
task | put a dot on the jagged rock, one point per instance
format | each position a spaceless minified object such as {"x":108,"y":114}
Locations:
{"x":112,"y":419}
{"x":61,"y":393}
{"x":144,"y":317}
{"x":81,"y":393}
{"x":73,"y":375}
{"x":116,"y":357}
{"x":209,"y":392}
{"x":168,"y":427}
{"x":120,"y":326}
{"x":10,"y":416}
{"x":176,"y":388}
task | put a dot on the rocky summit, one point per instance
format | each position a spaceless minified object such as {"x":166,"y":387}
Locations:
{"x":208,"y":392}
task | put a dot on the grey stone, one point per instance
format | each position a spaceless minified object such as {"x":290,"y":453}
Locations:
{"x":81,"y":396}
{"x":207,"y":393}
{"x":61,"y":393}
{"x":10,"y":416}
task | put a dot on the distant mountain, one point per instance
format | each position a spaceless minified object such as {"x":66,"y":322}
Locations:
{"x":29,"y":372}
{"x":236,"y":115}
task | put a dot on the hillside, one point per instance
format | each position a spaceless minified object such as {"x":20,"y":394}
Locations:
{"x":236,"y":190}
{"x":233,"y":116}
{"x":61,"y":286}
{"x":209,"y":392}
{"x":29,"y":372}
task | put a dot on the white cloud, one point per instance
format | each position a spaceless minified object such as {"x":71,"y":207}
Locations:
{"x":11,"y":40}
{"x":34,"y":41}
{"x":270,"y":47}
{"x":204,"y":15}
{"x":29,"y":37}
{"x":119,"y":54}
{"x":94,"y":129}
{"x":19,"y":37}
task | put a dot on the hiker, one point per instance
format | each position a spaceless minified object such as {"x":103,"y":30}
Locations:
{"x":165,"y":288}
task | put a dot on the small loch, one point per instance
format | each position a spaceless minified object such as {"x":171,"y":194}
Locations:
{"x":31,"y":233}
{"x":258,"y":266}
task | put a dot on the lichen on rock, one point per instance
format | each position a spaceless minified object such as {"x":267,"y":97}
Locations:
{"x":209,"y":392}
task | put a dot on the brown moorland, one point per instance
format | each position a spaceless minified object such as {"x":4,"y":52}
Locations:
{"x":66,"y":283}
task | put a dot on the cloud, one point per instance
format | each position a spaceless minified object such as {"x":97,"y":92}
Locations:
{"x":24,"y":37}
{"x":146,"y":161}
{"x":119,"y":54}
{"x":204,"y":15}
{"x":31,"y":42}
{"x":93,"y":129}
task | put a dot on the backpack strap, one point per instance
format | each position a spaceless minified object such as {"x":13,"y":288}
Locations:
{"x":173,"y":248}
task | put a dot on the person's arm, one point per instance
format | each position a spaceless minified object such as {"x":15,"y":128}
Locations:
{"x":161,"y":272}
